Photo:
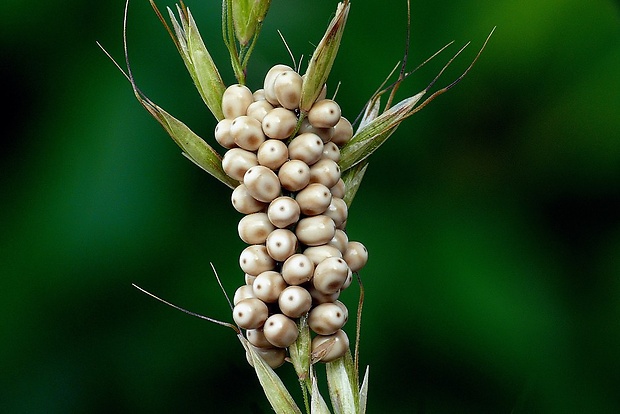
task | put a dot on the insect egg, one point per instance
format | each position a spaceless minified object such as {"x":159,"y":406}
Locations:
{"x":287,"y":89}
{"x":268,"y":285}
{"x":294,"y":175}
{"x":337,"y":211}
{"x":324,"y":114}
{"x":243,"y":202}
{"x":236,"y":100}
{"x":255,"y":259}
{"x":262,"y":183}
{"x":257,"y":338}
{"x":307,"y":147}
{"x":269,"y":82}
{"x":283,"y":211}
{"x":330,"y":275}
{"x":222,"y":134}
{"x":259,"y":109}
{"x":315,"y":230}
{"x":272,"y":154}
{"x":326,"y":172}
{"x":280,"y":330}
{"x":356,"y":255}
{"x":274,"y":357}
{"x":294,"y":301}
{"x":247,"y":132}
{"x":317,"y":254}
{"x":279,"y":123}
{"x":314,"y":199}
{"x":254,"y":228}
{"x":237,"y":161}
{"x":281,"y":244}
{"x":326,"y":318}
{"x":343,"y":131}
{"x":243,"y":292}
{"x":339,"y":344}
{"x":250,"y":313}
{"x":297,"y":269}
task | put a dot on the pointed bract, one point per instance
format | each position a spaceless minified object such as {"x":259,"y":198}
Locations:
{"x":207,"y":77}
{"x":280,"y":399}
{"x":299,"y":351}
{"x":371,"y":111}
{"x":342,"y":384}
{"x":197,"y":59}
{"x":194,"y":147}
{"x":364,"y":392}
{"x":317,"y":403}
{"x":352,"y":179}
{"x":323,"y":58}
{"x":247,"y":16}
{"x":376,"y":132}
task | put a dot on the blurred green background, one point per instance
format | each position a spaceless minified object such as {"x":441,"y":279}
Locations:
{"x":492,"y":216}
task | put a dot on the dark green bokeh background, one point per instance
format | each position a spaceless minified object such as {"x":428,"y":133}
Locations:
{"x":492,"y":217}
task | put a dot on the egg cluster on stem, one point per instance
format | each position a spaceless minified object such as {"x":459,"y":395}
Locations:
{"x":299,"y":257}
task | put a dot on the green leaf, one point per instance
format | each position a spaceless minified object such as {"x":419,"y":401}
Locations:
{"x":317,"y":404}
{"x":198,"y":61}
{"x":280,"y":399}
{"x":375,"y":130}
{"x":207,"y":78}
{"x":194,"y":147}
{"x":299,"y":351}
{"x":372,"y":135}
{"x":342,"y":384}
{"x":323,"y":58}
{"x":247,"y":16}
{"x":364,"y":393}
{"x":352,"y":179}
{"x":371,"y":112}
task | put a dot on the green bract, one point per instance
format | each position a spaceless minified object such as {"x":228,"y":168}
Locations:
{"x":197,"y":59}
{"x":248,"y":16}
{"x":342,"y":382}
{"x":370,"y":137}
{"x":352,"y":179}
{"x":318,"y":405}
{"x":242,"y":21}
{"x":194,"y":147}
{"x":277,"y":394}
{"x":323,"y":58}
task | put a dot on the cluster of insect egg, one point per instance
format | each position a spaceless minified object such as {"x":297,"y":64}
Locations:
{"x":299,"y":257}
